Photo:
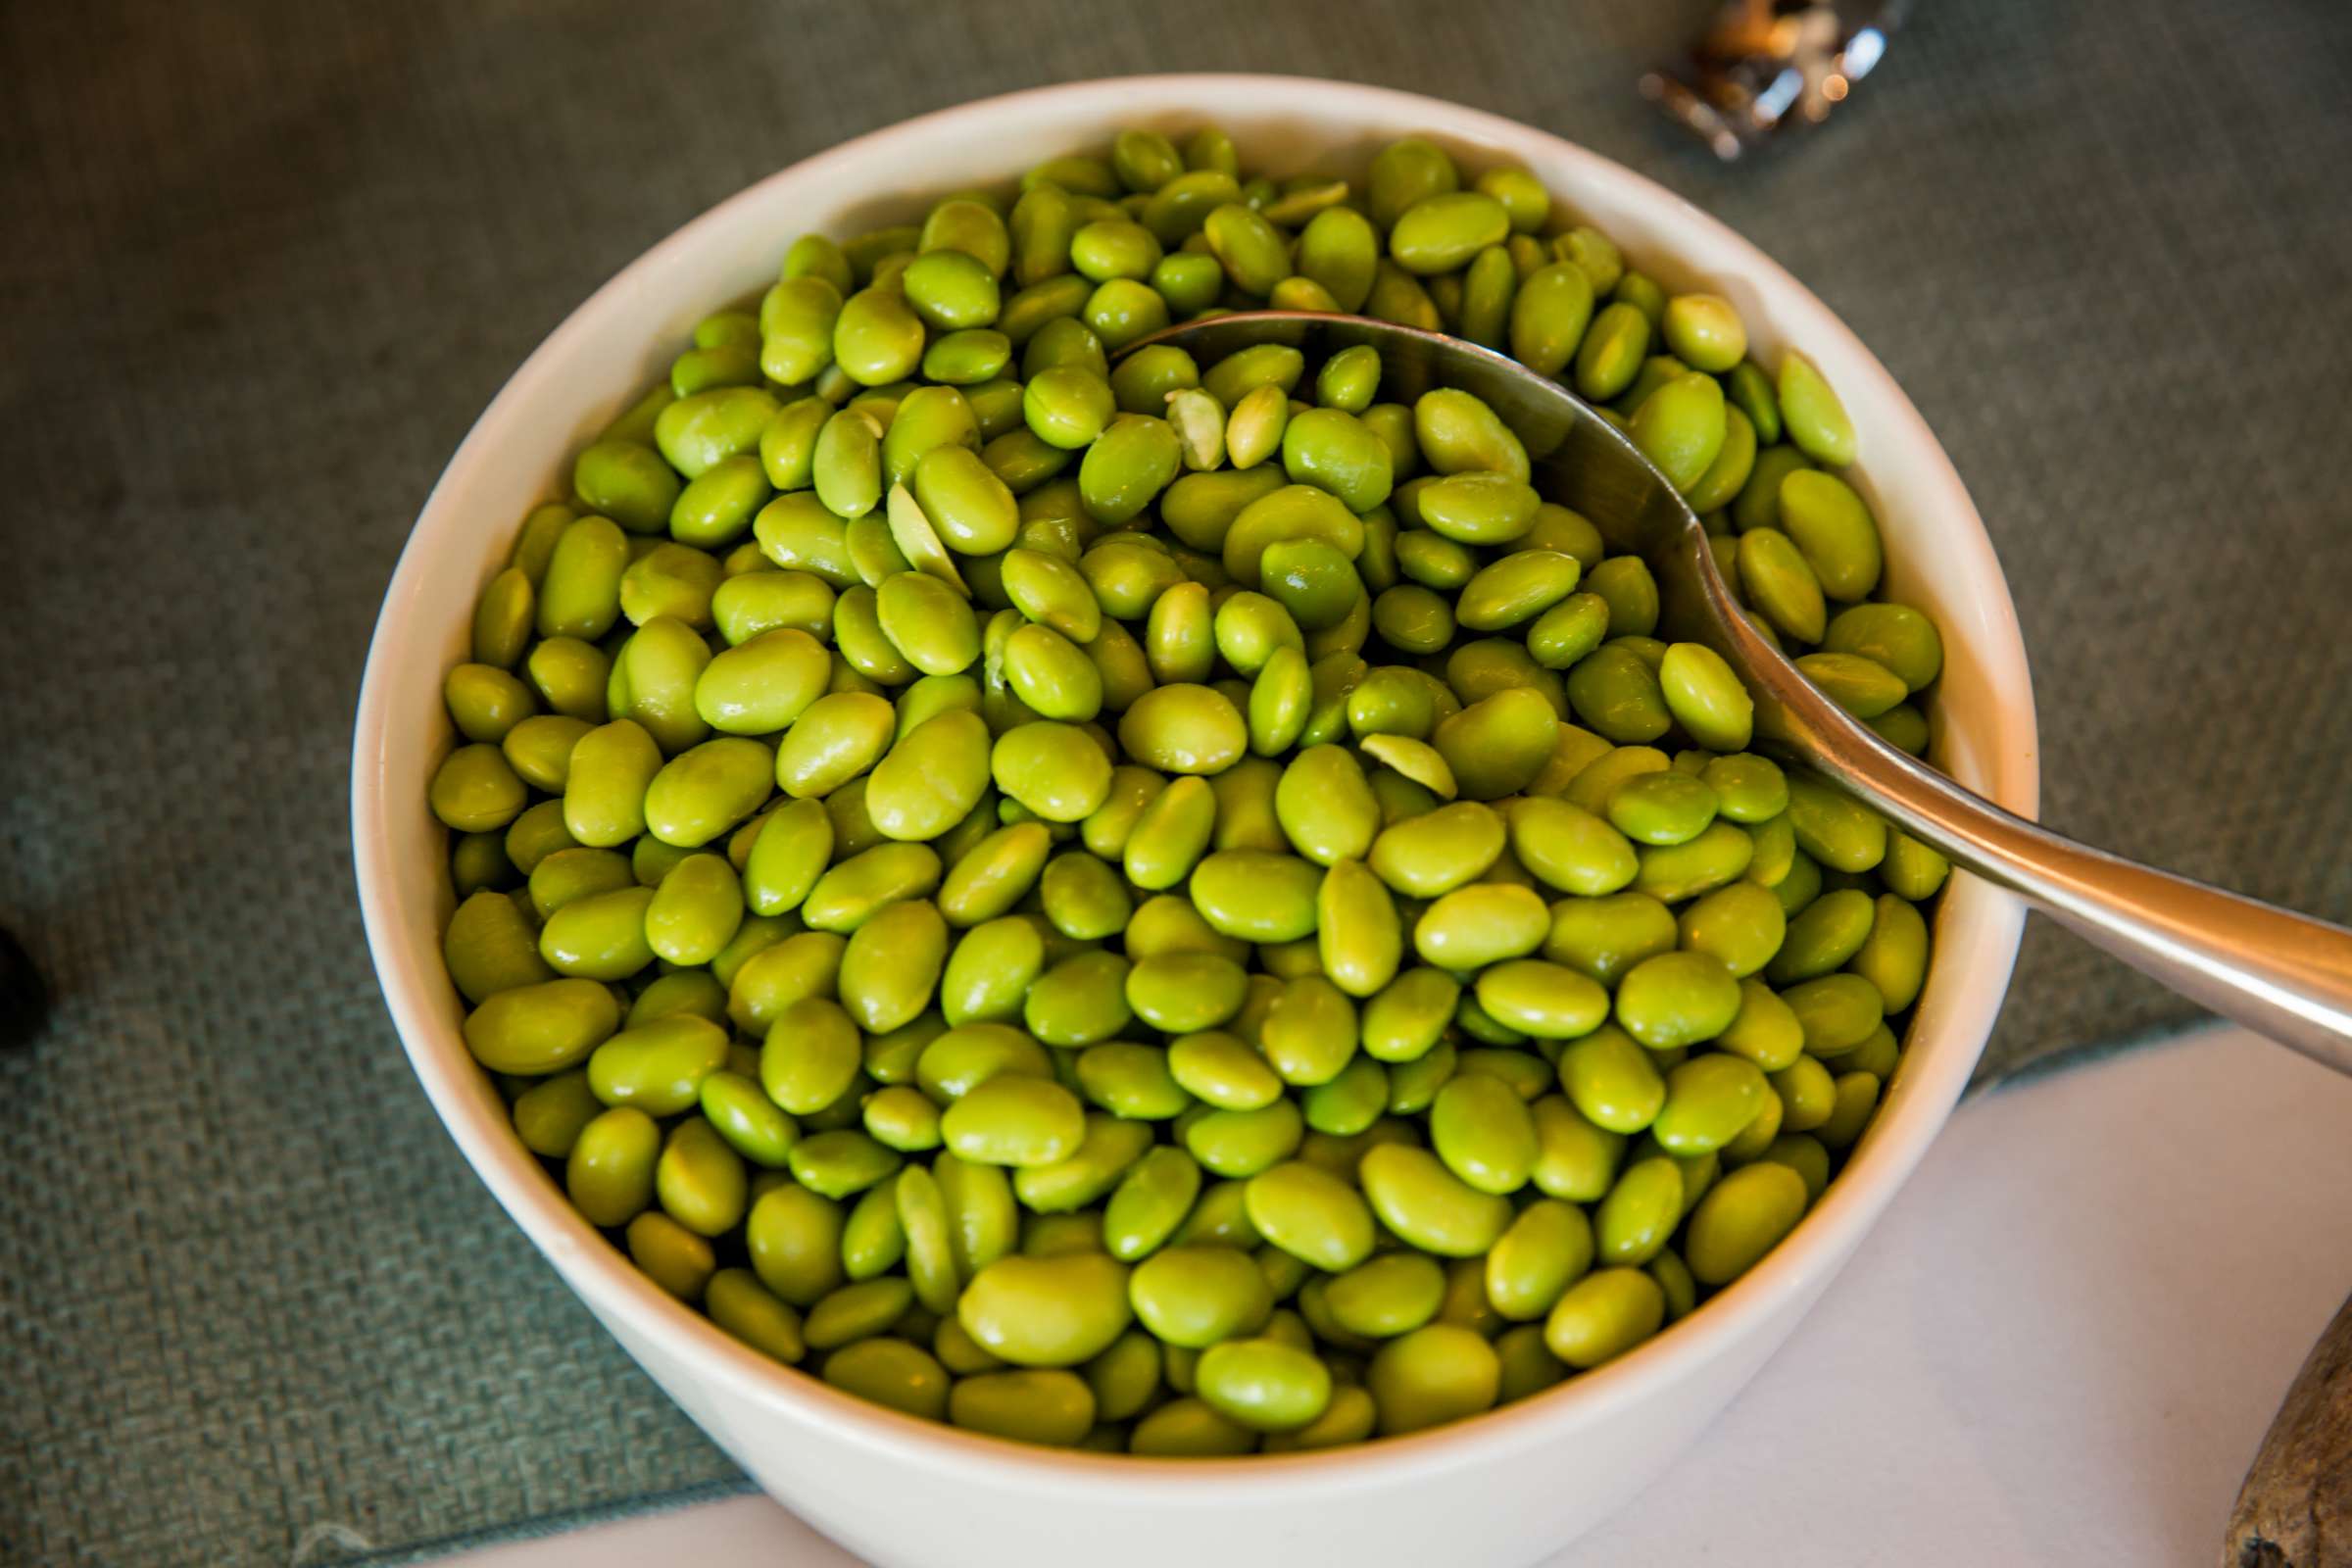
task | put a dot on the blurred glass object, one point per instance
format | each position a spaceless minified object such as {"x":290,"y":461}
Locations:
{"x":1765,"y":67}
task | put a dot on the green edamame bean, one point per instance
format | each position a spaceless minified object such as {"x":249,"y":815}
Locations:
{"x":1131,"y":461}
{"x":1604,"y":1316}
{"x":754,"y":1125}
{"x":1496,"y":745}
{"x":1359,"y":937}
{"x":1710,"y":1100}
{"x":1550,"y":316}
{"x":490,"y":948}
{"x":695,"y":911}
{"x":475,"y":791}
{"x":1618,"y":696}
{"x":1439,"y":1373}
{"x":1110,"y":1146}
{"x":542,"y":1027}
{"x":1151,"y":1202}
{"x":1896,"y":637}
{"x":1817,"y":421}
{"x":1187,"y":1428}
{"x":1893,"y":958}
{"x":700,"y":1179}
{"x":892,"y":964}
{"x":1766,"y":1031}
{"x":1456,"y":434}
{"x":1238,"y":1143}
{"x":1743,"y":1216}
{"x":989,"y":974}
{"x":1838,"y":1012}
{"x":550,"y":1115}
{"x":1528,"y":1365}
{"x":1724,"y":479}
{"x":1705,"y":333}
{"x":1676,"y":998}
{"x":877,"y":337}
{"x":1484,"y":1134}
{"x":1193,"y":1297}
{"x":1683,"y":429}
{"x":1052,"y":1407}
{"x":1337,"y":452}
{"x":1430,"y":1206}
{"x":1706,"y":698}
{"x":1662,"y":809}
{"x":1677,"y":872}
{"x":1309,"y":1032}
{"x":1747,"y":788}
{"x":840,"y":1163}
{"x":1263,"y":1384}
{"x":1750,"y":392}
{"x":1126,"y":1377}
{"x":899,"y":1117}
{"x":970,"y":508}
{"x":1834,"y":829}
{"x":812,"y":1053}
{"x":1080,"y":1000}
{"x":893,"y":1373}
{"x":1409,"y":1018}
{"x":1443,"y":231}
{"x":1256,"y":896}
{"x":1485,"y":924}
{"x":1393,"y":1294}
{"x":1742,"y":925}
{"x":1479,"y":508}
{"x":1575,"y":1160}
{"x":610,"y":1174}
{"x":1834,"y":528}
{"x":1546,"y":1250}
{"x":1055,"y":770}
{"x":603,"y":793}
{"x":1605,"y":937}
{"x":1186,"y":993}
{"x":1611,"y":351}
{"x":1807,"y":1095}
{"x":706,"y":791}
{"x":670,"y":1254}
{"x":794,"y":1238}
{"x":1611,"y":1081}
{"x":1544,"y":1000}
{"x":1223,"y":1071}
{"x":747,"y":1309}
{"x":1254,"y":253}
{"x":1823,"y":937}
{"x":1910,"y":869}
{"x":1432,"y":854}
{"x":598,"y":936}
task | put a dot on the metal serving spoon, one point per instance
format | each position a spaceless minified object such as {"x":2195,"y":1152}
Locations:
{"x":2282,"y":974}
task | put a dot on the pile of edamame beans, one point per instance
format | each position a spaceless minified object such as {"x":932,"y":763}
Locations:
{"x":1174,"y":908}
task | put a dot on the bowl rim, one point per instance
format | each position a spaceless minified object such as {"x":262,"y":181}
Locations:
{"x":614,"y":1289}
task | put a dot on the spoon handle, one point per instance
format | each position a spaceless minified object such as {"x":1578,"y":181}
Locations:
{"x":2279,"y":973}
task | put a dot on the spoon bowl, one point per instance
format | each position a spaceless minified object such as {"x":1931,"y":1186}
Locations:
{"x":2282,"y":974}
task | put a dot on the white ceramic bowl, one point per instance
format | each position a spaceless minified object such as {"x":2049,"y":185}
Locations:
{"x":1504,"y":1488}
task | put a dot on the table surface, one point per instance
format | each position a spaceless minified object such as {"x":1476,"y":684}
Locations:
{"x":2060,"y":1346}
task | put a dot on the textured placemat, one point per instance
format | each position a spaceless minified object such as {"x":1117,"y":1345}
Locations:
{"x":265,"y":262}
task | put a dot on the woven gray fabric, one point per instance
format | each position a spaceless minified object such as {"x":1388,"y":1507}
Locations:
{"x":267,"y":261}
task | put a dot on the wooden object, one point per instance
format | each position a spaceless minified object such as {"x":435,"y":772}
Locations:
{"x":2295,"y":1510}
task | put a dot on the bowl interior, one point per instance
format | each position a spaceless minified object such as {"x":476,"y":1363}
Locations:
{"x":622,"y":339}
